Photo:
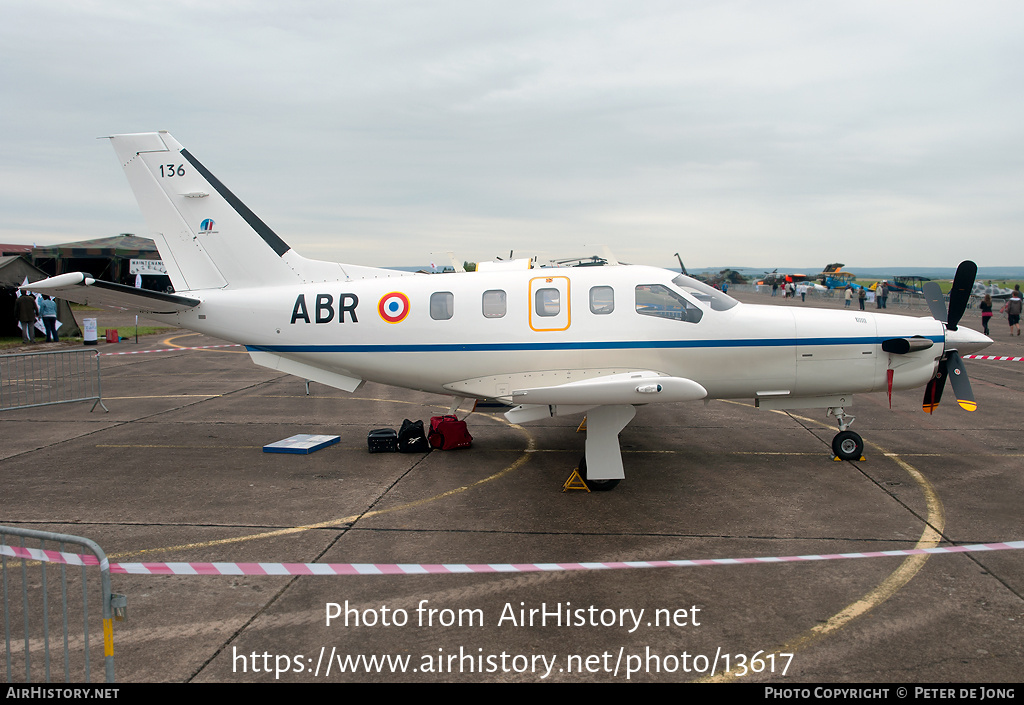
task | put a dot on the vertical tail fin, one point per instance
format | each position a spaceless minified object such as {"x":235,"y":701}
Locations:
{"x":207,"y":238}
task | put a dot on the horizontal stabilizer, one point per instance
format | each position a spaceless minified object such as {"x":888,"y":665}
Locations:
{"x":308,"y":372}
{"x":627,"y":388}
{"x":83,"y":289}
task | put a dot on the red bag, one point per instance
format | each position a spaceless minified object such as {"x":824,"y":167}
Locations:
{"x":448,"y":433}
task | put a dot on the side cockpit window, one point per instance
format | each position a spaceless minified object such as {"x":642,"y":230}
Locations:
{"x":660,"y":301}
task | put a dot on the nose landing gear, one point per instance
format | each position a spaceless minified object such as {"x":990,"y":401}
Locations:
{"x":847,"y":444}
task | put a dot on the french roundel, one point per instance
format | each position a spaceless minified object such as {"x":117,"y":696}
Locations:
{"x":393,"y":307}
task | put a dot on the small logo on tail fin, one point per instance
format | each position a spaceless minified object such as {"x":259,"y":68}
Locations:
{"x":206,"y":227}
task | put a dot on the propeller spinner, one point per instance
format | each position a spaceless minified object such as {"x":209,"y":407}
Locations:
{"x":951,"y":365}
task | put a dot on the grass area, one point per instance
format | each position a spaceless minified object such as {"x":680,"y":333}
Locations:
{"x":100,"y":334}
{"x":1005,"y":284}
{"x":130,"y":331}
{"x":947,"y":284}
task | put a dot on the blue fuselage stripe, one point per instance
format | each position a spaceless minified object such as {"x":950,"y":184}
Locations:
{"x":602,"y":345}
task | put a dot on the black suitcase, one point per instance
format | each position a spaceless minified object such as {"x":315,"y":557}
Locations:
{"x":382,"y":440}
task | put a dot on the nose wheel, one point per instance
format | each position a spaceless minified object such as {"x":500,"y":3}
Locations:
{"x":848,"y":445}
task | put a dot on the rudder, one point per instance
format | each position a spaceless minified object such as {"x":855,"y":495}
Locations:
{"x":206,"y":236}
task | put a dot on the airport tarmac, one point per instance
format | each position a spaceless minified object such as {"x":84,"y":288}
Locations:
{"x":175,"y":473}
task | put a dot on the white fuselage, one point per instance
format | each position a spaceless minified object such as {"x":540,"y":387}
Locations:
{"x":484,"y":334}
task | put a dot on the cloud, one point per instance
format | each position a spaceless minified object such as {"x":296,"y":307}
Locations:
{"x":875,"y":133}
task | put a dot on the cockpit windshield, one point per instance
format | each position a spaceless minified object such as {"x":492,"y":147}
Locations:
{"x":717,"y":300}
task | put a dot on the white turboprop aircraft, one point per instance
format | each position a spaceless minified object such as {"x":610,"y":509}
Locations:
{"x":545,"y":342}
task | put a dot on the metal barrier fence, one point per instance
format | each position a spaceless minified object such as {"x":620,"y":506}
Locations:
{"x":25,"y":569}
{"x":57,"y":377}
{"x":899,"y":299}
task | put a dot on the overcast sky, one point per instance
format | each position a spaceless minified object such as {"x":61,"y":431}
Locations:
{"x":736,"y":133}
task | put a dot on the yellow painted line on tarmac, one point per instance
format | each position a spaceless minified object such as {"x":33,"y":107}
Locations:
{"x":153,"y":445}
{"x":935,"y":523}
{"x":349,"y":397}
{"x":167,"y":341}
{"x":941,"y":455}
{"x":167,"y":396}
{"x":930,"y":537}
{"x":518,"y":463}
{"x":530,"y":449}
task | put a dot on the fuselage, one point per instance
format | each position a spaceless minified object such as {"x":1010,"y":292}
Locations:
{"x":483,"y":334}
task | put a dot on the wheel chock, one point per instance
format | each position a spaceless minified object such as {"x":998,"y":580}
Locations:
{"x":837,"y":459}
{"x":575,"y":482}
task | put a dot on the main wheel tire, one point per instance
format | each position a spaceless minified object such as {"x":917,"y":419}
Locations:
{"x":595,"y":485}
{"x":848,"y":445}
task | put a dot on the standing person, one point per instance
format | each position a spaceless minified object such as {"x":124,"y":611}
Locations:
{"x":849,"y":296}
{"x":27,"y":314}
{"x":1013,"y":309}
{"x":986,"y":312}
{"x":862,"y":297}
{"x":884,"y":292}
{"x":775,"y":288}
{"x":48,"y":311}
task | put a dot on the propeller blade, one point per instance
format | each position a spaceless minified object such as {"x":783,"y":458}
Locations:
{"x":936,"y":303}
{"x":960,"y":294}
{"x":933,"y":392}
{"x":960,"y":383}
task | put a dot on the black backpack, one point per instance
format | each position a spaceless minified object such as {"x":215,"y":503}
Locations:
{"x":412,"y":439}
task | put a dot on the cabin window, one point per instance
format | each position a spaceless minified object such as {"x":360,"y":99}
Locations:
{"x":442,"y":305}
{"x":494,"y":303}
{"x":602,"y":300}
{"x":547,"y":302}
{"x":662,"y":302}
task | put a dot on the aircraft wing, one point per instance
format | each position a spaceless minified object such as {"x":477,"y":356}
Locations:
{"x":610,"y":390}
{"x":618,"y":389}
{"x":83,"y":289}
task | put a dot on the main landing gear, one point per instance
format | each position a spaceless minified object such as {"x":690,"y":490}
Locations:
{"x":605,"y":459}
{"x":847,"y":444}
{"x":595,"y":485}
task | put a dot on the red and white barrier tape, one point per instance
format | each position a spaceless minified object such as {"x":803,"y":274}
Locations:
{"x":450,"y":568}
{"x":1003,"y":358}
{"x":200,"y":347}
